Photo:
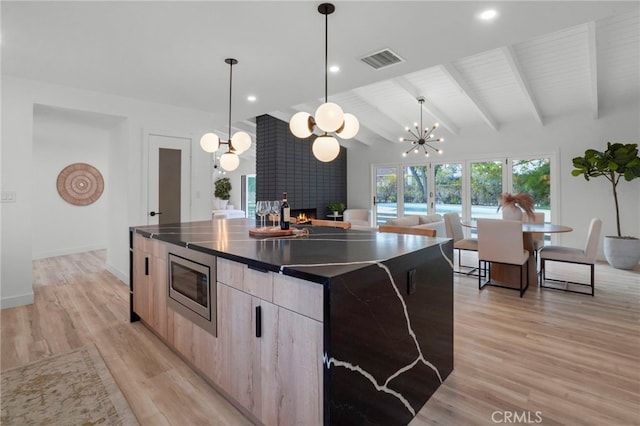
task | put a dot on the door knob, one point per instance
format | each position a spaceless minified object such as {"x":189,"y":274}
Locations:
{"x":154,"y":213}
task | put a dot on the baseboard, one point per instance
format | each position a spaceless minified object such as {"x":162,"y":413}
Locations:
{"x":14,"y":301}
{"x":118,"y":273}
{"x":64,"y":252}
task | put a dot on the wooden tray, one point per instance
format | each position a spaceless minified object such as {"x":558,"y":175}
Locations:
{"x":270,"y":232}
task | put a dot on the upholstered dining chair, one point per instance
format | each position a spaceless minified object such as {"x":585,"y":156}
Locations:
{"x":332,"y":223}
{"x":573,"y":255}
{"x":538,"y":237}
{"x":500,"y":241}
{"x":453,"y":228}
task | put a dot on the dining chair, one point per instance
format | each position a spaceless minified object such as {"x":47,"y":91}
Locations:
{"x":573,"y":255}
{"x":500,"y":241}
{"x":332,"y":223}
{"x":453,"y":228}
{"x":538,"y":237}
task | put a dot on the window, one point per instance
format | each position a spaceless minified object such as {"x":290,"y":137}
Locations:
{"x":470,"y":188}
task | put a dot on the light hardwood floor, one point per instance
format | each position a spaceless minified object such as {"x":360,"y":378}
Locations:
{"x":552,"y":358}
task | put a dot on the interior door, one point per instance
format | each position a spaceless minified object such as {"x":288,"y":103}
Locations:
{"x":169,"y":179}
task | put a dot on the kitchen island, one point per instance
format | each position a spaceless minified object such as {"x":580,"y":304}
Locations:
{"x":334,"y":327}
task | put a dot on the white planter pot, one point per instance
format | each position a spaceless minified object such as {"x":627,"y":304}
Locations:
{"x":622,"y":253}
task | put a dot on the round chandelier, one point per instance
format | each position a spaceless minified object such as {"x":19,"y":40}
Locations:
{"x":329,"y":117}
{"x":236,"y":144}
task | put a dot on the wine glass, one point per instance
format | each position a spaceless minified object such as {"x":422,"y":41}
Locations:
{"x":275,"y":211}
{"x":262,"y":208}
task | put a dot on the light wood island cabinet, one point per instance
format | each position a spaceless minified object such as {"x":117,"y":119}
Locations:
{"x":150,"y":277}
{"x":266,"y":357}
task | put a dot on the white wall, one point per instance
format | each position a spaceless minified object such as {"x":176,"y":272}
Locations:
{"x":247,"y":167}
{"x":61,"y":227}
{"x":126,"y":206}
{"x":577,"y":201}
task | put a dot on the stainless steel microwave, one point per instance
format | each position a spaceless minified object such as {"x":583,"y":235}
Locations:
{"x":192,"y":286}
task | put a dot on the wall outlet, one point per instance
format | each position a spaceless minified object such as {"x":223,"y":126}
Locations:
{"x":8,"y":196}
{"x":411,"y":281}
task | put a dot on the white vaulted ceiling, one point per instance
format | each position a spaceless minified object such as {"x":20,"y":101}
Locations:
{"x":536,"y":61}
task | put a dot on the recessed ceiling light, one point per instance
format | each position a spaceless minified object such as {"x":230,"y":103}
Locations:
{"x":251,"y":98}
{"x":334,"y":68}
{"x":488,"y":15}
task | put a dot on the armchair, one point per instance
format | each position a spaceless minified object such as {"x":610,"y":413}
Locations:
{"x":358,"y":217}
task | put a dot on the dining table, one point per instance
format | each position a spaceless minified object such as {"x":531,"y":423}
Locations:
{"x":508,"y":274}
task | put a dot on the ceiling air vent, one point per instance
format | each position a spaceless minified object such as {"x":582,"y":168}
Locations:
{"x":382,"y":59}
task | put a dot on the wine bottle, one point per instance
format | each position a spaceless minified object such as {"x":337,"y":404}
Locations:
{"x":285,"y":212}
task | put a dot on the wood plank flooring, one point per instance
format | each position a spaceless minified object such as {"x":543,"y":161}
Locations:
{"x":551,"y":358}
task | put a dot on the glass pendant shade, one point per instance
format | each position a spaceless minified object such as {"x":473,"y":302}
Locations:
{"x":229,"y":161}
{"x":350,"y":127}
{"x":329,"y":117}
{"x":241,"y":142}
{"x":326,"y":148}
{"x":210,"y":142}
{"x":299,"y":125}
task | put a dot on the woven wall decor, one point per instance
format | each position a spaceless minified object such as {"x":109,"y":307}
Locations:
{"x":80,"y":184}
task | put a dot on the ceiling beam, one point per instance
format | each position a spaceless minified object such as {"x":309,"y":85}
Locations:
{"x":523,"y":83}
{"x":457,"y":79}
{"x":593,"y":67}
{"x":429,"y":108}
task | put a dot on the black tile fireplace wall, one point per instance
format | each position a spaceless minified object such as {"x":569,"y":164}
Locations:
{"x":285,"y":163}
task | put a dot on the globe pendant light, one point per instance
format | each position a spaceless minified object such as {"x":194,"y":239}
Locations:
{"x":422,"y":137}
{"x":329,"y":117}
{"x":236,"y":144}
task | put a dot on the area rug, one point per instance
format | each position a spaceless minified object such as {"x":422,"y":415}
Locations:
{"x":75,"y":388}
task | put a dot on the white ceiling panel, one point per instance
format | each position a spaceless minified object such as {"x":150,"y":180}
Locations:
{"x":618,"y":53}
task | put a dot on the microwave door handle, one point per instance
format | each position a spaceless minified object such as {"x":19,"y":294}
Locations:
{"x":258,"y":321}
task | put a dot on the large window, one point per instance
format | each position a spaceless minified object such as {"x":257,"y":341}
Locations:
{"x":415,"y":190}
{"x":486,"y":187}
{"x":448,"y":188}
{"x":534,"y":176}
{"x":470,"y":188}
{"x":249,"y":195}
{"x":386,"y":190}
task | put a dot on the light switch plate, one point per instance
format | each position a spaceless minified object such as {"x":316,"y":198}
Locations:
{"x":8,"y":196}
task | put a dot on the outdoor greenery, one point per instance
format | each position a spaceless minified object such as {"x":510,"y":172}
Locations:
{"x":618,"y":160}
{"x":530,"y":176}
{"x":222,"y":188}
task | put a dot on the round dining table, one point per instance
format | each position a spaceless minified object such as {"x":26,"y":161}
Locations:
{"x":508,"y":274}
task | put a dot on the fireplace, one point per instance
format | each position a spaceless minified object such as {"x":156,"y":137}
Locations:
{"x":303,"y":215}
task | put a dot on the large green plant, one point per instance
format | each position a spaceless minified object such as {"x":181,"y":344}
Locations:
{"x":617,"y":161}
{"x":222,"y":188}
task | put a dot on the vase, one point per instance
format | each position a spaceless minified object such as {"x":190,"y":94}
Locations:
{"x":512,"y":212}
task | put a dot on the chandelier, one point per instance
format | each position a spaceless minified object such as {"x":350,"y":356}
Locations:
{"x":329,"y":117}
{"x":236,"y":144}
{"x":422,"y":137}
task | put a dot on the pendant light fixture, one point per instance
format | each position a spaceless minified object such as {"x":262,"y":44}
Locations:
{"x":236,"y":144}
{"x":329,"y":117}
{"x":422,"y":137}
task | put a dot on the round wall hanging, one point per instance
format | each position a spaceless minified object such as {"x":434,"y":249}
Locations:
{"x":80,"y":184}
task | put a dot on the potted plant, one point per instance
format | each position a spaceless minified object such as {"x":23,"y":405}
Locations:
{"x":514,"y":204}
{"x":336,"y":208}
{"x":617,"y":161}
{"x":222,"y":192}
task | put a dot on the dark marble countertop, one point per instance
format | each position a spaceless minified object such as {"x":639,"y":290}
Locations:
{"x":322,"y":254}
